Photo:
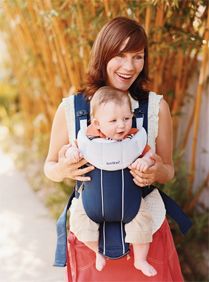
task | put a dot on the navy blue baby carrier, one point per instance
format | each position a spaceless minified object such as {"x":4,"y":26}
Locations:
{"x":111,"y":198}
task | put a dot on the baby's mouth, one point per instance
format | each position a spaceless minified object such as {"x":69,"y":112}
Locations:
{"x":120,"y":134}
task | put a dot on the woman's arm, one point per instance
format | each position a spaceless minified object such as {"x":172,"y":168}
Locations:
{"x":164,"y":144}
{"x":57,"y":166}
{"x":163,"y":169}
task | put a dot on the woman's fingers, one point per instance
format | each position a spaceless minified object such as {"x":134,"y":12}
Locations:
{"x":62,"y":151}
{"x":84,"y":170}
{"x":82,"y":178}
{"x":73,"y":170}
{"x":139,"y":183}
{"x":77,"y":165}
{"x":147,"y":175}
{"x":78,"y":173}
{"x":142,"y":179}
{"x":156,"y":158}
{"x":137,"y":173}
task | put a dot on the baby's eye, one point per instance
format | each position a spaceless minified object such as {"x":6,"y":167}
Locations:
{"x":113,"y":120}
{"x":127,"y":118}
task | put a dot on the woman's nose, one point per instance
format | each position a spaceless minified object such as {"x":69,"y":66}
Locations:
{"x":128,"y":64}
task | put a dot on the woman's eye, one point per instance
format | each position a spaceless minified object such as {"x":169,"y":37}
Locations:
{"x":139,"y":57}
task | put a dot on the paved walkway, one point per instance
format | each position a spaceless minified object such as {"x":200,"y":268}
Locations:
{"x":27,"y":232}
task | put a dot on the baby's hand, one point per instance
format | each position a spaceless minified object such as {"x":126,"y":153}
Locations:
{"x":73,"y":154}
{"x":142,"y":164}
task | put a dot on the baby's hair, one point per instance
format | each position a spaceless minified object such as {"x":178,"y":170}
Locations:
{"x":107,"y":94}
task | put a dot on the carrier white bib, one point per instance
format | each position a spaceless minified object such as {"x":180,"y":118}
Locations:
{"x":111,"y":154}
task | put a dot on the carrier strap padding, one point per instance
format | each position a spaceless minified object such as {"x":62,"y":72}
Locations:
{"x":141,"y":112}
{"x":82,"y":115}
{"x":82,"y":110}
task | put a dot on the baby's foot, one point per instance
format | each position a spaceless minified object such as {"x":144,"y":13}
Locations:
{"x":100,"y":261}
{"x":145,"y":267}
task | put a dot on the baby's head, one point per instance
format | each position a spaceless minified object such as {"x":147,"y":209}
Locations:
{"x":111,"y":112}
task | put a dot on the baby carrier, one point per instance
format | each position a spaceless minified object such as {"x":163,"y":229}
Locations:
{"x":117,"y":199}
{"x":111,"y":198}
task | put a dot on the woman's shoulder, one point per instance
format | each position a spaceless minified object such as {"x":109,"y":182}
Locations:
{"x":67,"y":100}
{"x":158,"y":102}
{"x":60,"y":111}
{"x":153,"y":96}
{"x":154,"y":103}
{"x":157,"y":110}
{"x":64,"y":113}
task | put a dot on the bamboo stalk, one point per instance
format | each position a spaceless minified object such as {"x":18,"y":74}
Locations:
{"x":148,"y":19}
{"x":93,"y":7}
{"x":157,"y":37}
{"x":45,"y":66}
{"x":59,"y":52}
{"x":178,"y":93}
{"x":107,"y":8}
{"x":202,"y":78}
{"x":192,"y":203}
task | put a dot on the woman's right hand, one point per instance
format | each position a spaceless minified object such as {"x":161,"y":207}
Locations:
{"x":67,"y":169}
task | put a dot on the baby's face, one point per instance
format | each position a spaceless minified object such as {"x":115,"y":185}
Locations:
{"x":114,"y":121}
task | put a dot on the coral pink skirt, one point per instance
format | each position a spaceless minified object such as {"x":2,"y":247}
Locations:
{"x":162,"y":255}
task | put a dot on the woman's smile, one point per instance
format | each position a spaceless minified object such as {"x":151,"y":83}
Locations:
{"x":124,"y":76}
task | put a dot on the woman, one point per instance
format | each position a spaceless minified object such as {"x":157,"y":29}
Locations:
{"x":119,"y":58}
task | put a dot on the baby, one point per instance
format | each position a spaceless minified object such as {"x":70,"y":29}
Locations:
{"x":111,"y":118}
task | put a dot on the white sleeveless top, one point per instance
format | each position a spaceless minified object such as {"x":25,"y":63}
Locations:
{"x":153,"y":200}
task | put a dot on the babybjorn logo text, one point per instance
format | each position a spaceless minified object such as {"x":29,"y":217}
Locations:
{"x":113,"y":163}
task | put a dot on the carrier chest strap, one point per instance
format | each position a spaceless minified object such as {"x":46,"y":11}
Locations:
{"x":140,"y":113}
{"x":139,"y":116}
{"x":82,"y":109}
{"x":82,"y":116}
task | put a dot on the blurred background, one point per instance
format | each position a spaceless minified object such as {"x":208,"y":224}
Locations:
{"x":44,"y":54}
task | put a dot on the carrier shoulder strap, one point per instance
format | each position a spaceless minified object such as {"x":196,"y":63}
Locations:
{"x":140,"y":110}
{"x":77,"y":114}
{"x":82,"y":112}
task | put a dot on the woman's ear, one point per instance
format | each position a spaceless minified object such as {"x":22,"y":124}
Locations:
{"x":95,"y":123}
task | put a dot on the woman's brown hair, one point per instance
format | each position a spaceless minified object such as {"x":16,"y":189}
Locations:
{"x":107,"y":45}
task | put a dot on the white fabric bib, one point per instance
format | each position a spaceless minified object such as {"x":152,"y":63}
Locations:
{"x":111,"y":154}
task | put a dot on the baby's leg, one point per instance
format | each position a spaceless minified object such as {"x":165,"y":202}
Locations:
{"x":140,"y":259}
{"x":86,"y":230}
{"x":100,"y":259}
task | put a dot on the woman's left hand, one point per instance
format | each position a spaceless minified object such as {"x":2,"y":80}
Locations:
{"x":149,"y":176}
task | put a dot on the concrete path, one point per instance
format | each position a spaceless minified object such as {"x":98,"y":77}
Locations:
{"x":27,"y":232}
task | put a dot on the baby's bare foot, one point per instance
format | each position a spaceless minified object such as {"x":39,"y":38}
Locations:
{"x":100,"y":261}
{"x":146,"y":268}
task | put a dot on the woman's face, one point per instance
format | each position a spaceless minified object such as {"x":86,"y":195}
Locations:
{"x":123,"y":69}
